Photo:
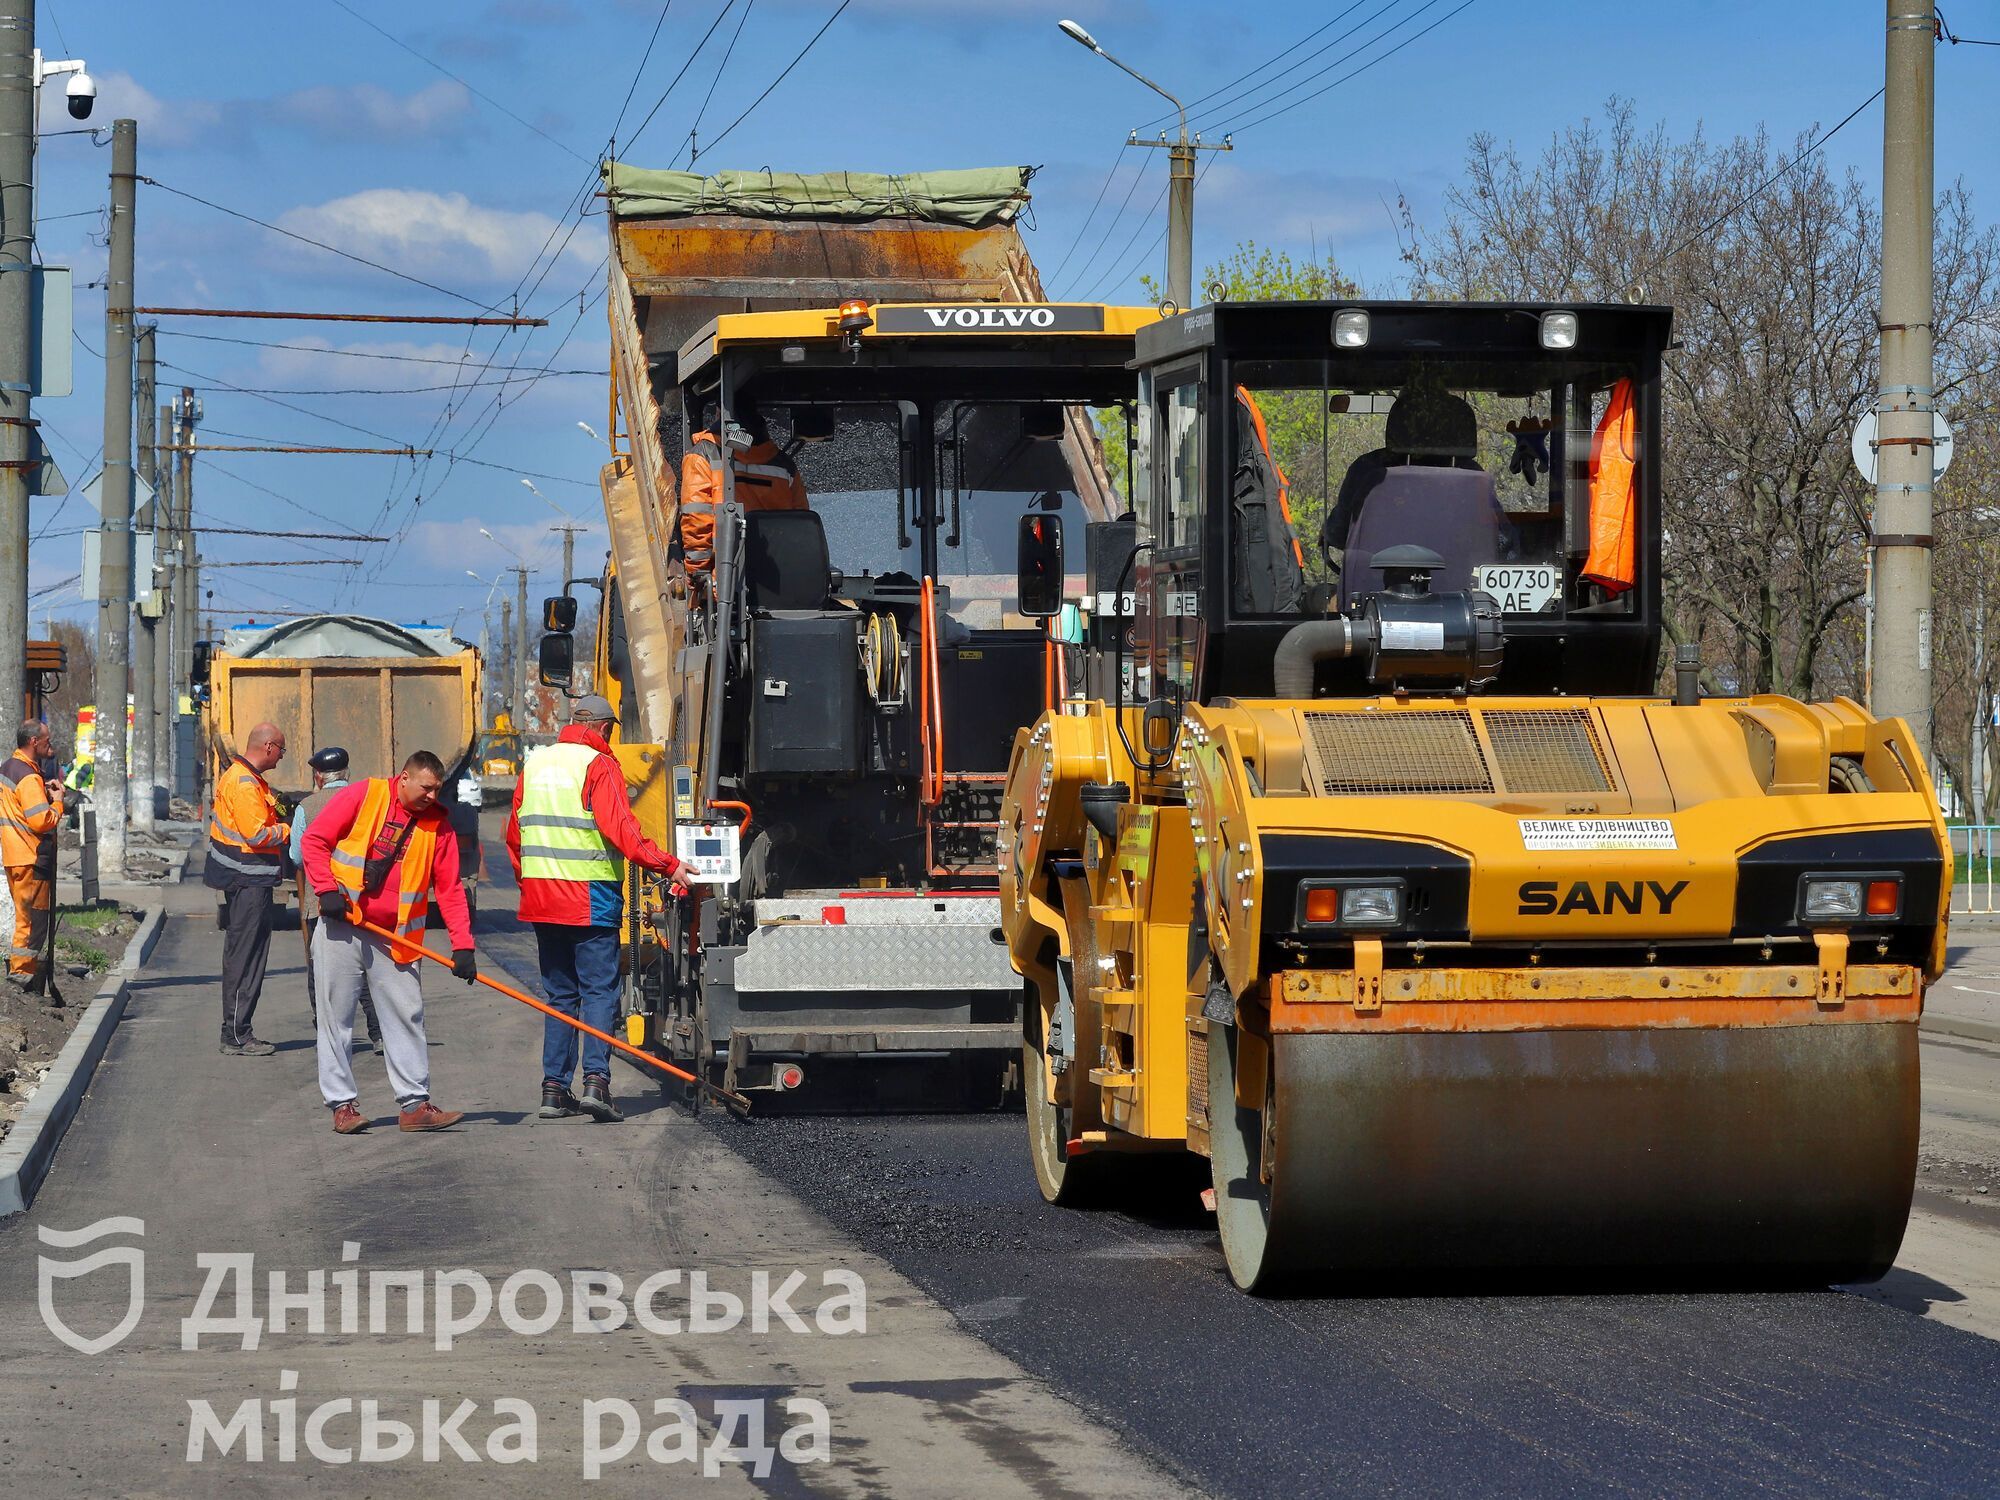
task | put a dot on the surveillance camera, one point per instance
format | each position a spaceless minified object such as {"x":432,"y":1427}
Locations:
{"x":82,"y":92}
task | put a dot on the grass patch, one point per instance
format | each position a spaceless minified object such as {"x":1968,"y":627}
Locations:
{"x":89,"y":918}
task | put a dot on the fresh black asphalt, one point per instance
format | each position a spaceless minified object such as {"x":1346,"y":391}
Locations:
{"x":1128,"y":1312}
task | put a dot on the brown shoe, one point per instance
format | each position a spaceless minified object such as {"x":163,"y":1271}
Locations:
{"x":347,"y":1120}
{"x":427,"y":1116}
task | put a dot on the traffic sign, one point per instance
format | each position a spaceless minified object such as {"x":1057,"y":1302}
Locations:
{"x":1865,"y":439}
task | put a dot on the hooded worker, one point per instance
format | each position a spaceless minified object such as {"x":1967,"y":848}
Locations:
{"x":377,"y":853}
{"x":329,"y":768}
{"x":31,"y":805}
{"x":766,"y":479}
{"x":569,"y":834}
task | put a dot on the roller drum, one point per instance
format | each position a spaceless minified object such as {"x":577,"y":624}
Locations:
{"x":1785,"y":1152}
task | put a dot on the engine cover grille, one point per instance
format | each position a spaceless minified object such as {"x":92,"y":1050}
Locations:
{"x":1456,"y":752}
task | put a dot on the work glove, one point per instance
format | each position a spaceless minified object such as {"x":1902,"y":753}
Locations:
{"x":463,"y":966}
{"x":334,"y":906}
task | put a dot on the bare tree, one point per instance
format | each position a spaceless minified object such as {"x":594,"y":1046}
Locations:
{"x":1771,"y":263}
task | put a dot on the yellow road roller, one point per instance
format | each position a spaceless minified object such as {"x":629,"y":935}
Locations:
{"x":1369,"y":860}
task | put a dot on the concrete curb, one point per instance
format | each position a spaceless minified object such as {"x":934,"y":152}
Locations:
{"x":1965,"y":1031}
{"x":29,"y":1151}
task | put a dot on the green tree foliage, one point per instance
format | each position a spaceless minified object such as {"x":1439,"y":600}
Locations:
{"x":1305,"y":446}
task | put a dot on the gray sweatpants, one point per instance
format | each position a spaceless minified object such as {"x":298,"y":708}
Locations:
{"x":344,"y":959}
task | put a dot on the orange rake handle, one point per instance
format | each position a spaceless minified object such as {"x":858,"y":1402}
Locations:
{"x":735,"y":1101}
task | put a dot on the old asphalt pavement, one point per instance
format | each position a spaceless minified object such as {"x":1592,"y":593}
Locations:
{"x":221,"y":1156}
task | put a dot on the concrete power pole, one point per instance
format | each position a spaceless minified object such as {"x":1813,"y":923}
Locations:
{"x":145,"y":704}
{"x":519,"y":684}
{"x":508,"y":675}
{"x":17,"y":254}
{"x":114,"y":587}
{"x":166,"y":691}
{"x":1903,"y":469}
{"x":187,"y":590}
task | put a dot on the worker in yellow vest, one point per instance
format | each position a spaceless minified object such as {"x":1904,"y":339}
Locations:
{"x":377,"y":853}
{"x":569,"y":835}
{"x":31,"y":806}
{"x":247,"y":839}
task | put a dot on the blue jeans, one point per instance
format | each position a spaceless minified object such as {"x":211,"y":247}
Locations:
{"x":579,"y":970}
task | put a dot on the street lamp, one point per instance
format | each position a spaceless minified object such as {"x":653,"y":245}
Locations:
{"x":591,"y":430}
{"x":550,"y":503}
{"x":1180,"y":194}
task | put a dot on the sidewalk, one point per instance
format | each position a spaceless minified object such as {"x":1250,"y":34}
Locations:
{"x":226,"y":1156}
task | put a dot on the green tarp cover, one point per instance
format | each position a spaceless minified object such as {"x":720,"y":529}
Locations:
{"x":973,"y":198}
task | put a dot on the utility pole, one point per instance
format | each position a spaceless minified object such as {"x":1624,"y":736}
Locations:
{"x":507,"y":677}
{"x":114,"y":586}
{"x":1180,"y":175}
{"x":187,"y":589}
{"x":569,"y":551}
{"x":145,"y":715}
{"x":1904,"y":461}
{"x":520,"y":680}
{"x":166,"y":691}
{"x":17,"y":254}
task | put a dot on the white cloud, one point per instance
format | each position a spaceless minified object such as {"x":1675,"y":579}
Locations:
{"x":369,"y":112}
{"x":428,"y":233}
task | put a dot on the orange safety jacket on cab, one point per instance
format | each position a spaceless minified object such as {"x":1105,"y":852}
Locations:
{"x":349,"y":860}
{"x":766,"y":479}
{"x":29,"y":813}
{"x":248,"y":841}
{"x":1614,"y":493}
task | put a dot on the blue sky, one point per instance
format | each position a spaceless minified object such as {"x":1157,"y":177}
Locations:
{"x":302,"y":115}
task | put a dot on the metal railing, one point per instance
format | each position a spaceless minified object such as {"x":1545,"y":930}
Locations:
{"x":1975,"y":890}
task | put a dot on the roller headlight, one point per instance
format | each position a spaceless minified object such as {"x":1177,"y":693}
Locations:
{"x":1351,"y":904}
{"x":1828,"y":899}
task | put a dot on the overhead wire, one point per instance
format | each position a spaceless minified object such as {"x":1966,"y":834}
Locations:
{"x":1236,"y":124}
{"x":1202,"y":99}
{"x":306,"y":239}
{"x":469,"y":88}
{"x":1089,"y":218}
{"x":1110,"y":228}
{"x":1756,"y":192}
{"x":825,"y":27}
{"x":715,"y":78}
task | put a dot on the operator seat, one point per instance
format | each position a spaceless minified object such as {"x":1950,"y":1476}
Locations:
{"x":785,"y":561}
{"x":1421,"y":487}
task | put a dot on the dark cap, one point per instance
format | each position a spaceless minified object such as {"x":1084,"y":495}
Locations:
{"x":591,"y":708}
{"x":327,"y":761}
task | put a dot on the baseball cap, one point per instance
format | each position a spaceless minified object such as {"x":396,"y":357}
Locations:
{"x":591,"y":708}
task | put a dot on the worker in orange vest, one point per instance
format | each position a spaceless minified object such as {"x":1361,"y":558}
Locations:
{"x":1614,"y":493}
{"x":248,"y":840}
{"x":766,"y":479}
{"x":377,"y":853}
{"x":31,"y":805}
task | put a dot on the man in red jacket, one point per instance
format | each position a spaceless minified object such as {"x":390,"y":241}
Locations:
{"x":377,"y":853}
{"x":569,"y":834}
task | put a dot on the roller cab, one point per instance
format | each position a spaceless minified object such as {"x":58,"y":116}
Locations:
{"x":1388,"y":880}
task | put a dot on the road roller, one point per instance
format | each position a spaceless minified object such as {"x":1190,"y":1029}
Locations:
{"x":1374,"y":857}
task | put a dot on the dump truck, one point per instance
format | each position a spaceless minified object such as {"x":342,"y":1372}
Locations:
{"x":1389,"y":881}
{"x":379,"y":689}
{"x":818,"y":719}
